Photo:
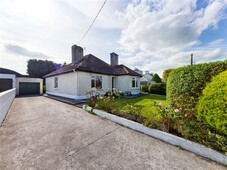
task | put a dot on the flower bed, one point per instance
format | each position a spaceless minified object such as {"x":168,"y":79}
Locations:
{"x":151,"y":111}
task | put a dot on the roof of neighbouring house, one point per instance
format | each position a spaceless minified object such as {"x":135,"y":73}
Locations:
{"x":8,"y":71}
{"x":123,"y":70}
{"x":92,"y":64}
{"x":143,"y":79}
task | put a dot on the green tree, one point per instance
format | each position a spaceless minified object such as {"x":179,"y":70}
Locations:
{"x":64,"y":64}
{"x":166,"y":73}
{"x":156,"y":78}
{"x":39,"y":68}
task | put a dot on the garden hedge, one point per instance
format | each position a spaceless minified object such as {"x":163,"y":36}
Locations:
{"x":166,"y":73}
{"x":144,"y":88}
{"x":157,"y":88}
{"x":185,"y":84}
{"x":212,"y":104}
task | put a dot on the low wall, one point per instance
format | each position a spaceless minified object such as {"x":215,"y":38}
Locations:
{"x":6,"y":99}
{"x":166,"y":137}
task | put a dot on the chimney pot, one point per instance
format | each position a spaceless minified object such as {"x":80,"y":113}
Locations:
{"x":77,"y":53}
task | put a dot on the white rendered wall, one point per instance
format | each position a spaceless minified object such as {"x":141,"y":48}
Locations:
{"x":124,"y":83}
{"x":67,"y":85}
{"x":6,"y":99}
{"x":84,"y":83}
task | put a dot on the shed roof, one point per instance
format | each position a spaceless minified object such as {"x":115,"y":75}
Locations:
{"x":8,"y":71}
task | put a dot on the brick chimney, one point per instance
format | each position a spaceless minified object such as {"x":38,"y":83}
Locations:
{"x":113,"y":59}
{"x":77,"y":53}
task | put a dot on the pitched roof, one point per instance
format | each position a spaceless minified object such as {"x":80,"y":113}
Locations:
{"x":123,"y":70}
{"x":92,"y":64}
{"x":143,"y":79}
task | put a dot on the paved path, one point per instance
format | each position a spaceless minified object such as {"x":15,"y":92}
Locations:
{"x":41,"y":133}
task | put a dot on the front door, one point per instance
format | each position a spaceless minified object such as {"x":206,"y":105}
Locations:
{"x":113,"y":82}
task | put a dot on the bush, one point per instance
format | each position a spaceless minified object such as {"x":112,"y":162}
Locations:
{"x":185,"y":84}
{"x":166,"y":73}
{"x":144,"y":88}
{"x":212,"y":104}
{"x":157,"y":88}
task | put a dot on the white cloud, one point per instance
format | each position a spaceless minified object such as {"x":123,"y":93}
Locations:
{"x":52,"y":27}
{"x":148,"y":34}
{"x":217,"y":42}
{"x":159,"y":33}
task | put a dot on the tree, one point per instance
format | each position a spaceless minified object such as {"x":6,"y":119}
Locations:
{"x":39,"y":68}
{"x":166,"y":73}
{"x":156,"y":78}
{"x":64,"y":64}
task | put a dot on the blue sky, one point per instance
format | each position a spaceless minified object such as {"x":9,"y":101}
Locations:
{"x":150,"y":35}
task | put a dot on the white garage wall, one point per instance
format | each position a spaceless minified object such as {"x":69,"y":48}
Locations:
{"x":29,"y":80}
{"x":6,"y":99}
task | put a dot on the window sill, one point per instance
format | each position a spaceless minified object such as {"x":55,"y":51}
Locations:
{"x":135,"y":88}
{"x":55,"y":88}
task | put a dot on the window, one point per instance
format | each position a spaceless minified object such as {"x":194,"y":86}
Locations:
{"x":55,"y":82}
{"x":134,"y":82}
{"x":96,"y":81}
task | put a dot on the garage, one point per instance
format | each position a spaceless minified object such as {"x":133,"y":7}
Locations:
{"x":28,"y":88}
{"x":23,"y":84}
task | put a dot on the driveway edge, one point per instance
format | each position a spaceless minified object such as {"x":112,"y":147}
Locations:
{"x":166,"y":137}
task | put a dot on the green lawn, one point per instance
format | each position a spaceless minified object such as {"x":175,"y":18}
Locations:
{"x":144,"y":103}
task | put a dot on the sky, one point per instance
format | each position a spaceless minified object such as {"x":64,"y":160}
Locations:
{"x":151,"y":35}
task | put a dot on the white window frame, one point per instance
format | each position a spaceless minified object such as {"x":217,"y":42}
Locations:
{"x":96,"y":78}
{"x":55,"y":82}
{"x":136,"y":79}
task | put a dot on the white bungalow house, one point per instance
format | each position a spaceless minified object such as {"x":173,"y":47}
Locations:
{"x":86,"y":72}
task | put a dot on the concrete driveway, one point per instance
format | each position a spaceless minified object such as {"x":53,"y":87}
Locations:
{"x":41,"y":133}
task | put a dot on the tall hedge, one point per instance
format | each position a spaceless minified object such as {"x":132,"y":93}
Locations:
{"x":185,"y":84}
{"x":212,"y":104}
{"x":166,"y":73}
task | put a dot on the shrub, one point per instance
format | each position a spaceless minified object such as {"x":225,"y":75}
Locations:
{"x":185,"y":84}
{"x":166,"y":73}
{"x":212,"y":104}
{"x":157,"y":88}
{"x":105,"y":103}
{"x":156,"y":78}
{"x":44,"y":88}
{"x":144,"y":88}
{"x":91,"y":101}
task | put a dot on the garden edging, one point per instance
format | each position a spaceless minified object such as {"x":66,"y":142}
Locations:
{"x":166,"y":137}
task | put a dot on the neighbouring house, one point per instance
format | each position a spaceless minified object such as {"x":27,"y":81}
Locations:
{"x":86,"y":72}
{"x":140,"y":72}
{"x":146,"y":79}
{"x":24,"y":85}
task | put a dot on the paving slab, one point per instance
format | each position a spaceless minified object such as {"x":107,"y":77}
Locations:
{"x":41,"y":133}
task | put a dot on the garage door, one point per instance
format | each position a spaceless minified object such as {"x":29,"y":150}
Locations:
{"x":6,"y":84}
{"x":26,"y":88}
